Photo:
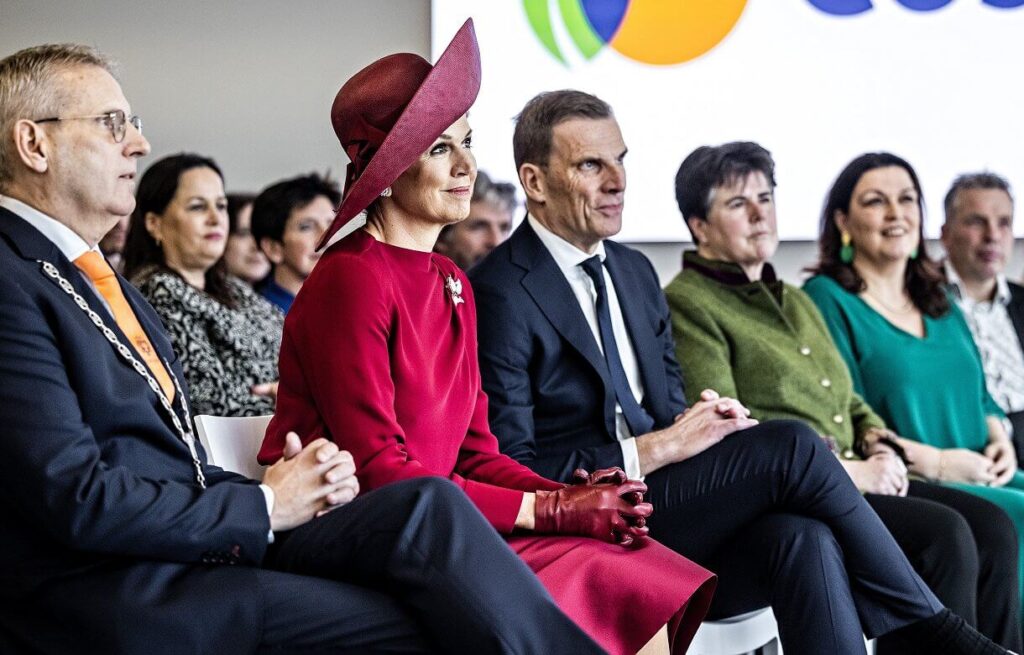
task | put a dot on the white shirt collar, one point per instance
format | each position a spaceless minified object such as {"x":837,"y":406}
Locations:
{"x":567,"y":256}
{"x":1002,"y":288}
{"x":66,"y":240}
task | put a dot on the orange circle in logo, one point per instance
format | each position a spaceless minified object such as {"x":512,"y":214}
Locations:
{"x":669,"y":32}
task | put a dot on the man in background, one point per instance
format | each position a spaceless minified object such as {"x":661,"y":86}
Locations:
{"x":978,"y":238}
{"x":488,"y":224}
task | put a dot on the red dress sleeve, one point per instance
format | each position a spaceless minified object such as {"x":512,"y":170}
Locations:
{"x":336,"y":382}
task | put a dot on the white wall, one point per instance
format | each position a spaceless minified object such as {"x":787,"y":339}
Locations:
{"x":251,"y":83}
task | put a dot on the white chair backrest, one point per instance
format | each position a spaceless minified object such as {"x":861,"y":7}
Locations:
{"x":232,"y":442}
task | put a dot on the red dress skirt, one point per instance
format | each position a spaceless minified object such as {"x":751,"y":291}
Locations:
{"x":621,"y":596}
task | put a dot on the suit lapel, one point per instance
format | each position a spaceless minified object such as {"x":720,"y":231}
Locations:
{"x":157,"y":338}
{"x":154,"y":329}
{"x":1016,"y":310}
{"x":632,"y":302}
{"x":547,"y":286}
{"x":34,"y":246}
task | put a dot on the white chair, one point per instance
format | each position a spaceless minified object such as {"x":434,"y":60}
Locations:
{"x":742,"y":633}
{"x":745,"y":633}
{"x":232,"y":442}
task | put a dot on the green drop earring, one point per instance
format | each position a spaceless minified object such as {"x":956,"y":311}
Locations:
{"x":846,"y":252}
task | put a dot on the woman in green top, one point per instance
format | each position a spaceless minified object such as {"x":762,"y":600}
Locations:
{"x":907,"y":347}
{"x":743,"y":332}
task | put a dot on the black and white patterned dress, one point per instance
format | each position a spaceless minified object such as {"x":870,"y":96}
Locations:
{"x":223,"y":351}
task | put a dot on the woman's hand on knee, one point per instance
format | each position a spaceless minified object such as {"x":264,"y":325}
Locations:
{"x":882,"y":473}
{"x":963,"y":465}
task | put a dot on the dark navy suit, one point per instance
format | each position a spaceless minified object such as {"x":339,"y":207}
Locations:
{"x":108,"y":544}
{"x":769,"y":508}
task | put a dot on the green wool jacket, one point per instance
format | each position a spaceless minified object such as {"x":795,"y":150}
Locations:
{"x":765,"y":344}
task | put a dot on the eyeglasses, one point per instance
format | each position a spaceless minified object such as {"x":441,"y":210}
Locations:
{"x":116,"y":121}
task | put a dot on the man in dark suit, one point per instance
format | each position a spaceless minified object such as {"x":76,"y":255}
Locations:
{"x":578,"y":361}
{"x":978,"y":237}
{"x":116,"y":536}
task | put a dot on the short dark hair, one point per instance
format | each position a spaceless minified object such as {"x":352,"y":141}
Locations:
{"x":142,"y":254}
{"x":969,"y":181}
{"x":710,"y":167}
{"x":236,"y":203}
{"x":273,"y":206}
{"x":924,"y":280}
{"x":531,"y":141}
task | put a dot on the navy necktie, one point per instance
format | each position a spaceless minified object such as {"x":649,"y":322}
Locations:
{"x":637,"y":419}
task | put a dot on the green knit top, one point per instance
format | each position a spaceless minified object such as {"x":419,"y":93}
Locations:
{"x":930,"y":389}
{"x":765,"y":344}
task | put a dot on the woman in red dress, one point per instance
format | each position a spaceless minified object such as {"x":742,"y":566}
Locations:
{"x":380,"y":355}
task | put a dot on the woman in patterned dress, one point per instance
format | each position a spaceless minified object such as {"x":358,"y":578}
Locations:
{"x":225,"y":334}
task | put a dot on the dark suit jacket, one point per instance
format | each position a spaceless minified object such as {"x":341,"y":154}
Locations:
{"x":552,"y":404}
{"x":106,"y":541}
{"x":1016,"y":311}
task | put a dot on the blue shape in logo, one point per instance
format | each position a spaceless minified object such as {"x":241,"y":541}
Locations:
{"x":605,"y":16}
{"x":924,"y":5}
{"x":842,"y":7}
{"x":853,"y":7}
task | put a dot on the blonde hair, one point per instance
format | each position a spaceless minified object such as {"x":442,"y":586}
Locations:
{"x":27,"y":89}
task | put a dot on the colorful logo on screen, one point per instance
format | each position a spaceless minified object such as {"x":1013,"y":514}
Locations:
{"x":659,"y":33}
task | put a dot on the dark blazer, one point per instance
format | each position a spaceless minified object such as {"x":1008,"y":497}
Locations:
{"x":1016,"y":311}
{"x":552,"y":405}
{"x":103,"y":522}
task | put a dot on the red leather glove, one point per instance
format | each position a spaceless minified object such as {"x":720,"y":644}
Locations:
{"x":616,"y":476}
{"x":598,"y":511}
{"x":613,"y":475}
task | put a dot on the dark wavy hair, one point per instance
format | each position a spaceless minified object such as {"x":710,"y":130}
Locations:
{"x":923,"y":280}
{"x":156,"y":190}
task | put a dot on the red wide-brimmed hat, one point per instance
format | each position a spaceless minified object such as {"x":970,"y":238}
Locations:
{"x":390,"y":112}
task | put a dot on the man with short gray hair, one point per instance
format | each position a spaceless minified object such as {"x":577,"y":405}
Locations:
{"x":978,"y":237}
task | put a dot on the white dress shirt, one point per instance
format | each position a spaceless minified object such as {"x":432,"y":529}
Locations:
{"x":73,"y":246}
{"x":997,"y":341}
{"x":569,"y":257}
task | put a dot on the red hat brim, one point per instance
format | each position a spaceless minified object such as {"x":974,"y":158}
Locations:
{"x":446,"y":94}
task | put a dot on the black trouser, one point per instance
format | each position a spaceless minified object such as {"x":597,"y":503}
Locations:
{"x":772,"y":511}
{"x":965,"y":548}
{"x":446,"y":573}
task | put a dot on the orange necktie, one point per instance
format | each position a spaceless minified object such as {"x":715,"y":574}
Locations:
{"x":99,"y":271}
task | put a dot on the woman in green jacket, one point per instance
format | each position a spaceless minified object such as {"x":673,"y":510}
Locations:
{"x":745,"y":333}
